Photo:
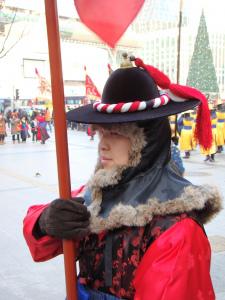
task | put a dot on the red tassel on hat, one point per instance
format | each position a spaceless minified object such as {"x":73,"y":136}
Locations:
{"x":203,"y":130}
{"x":159,"y":77}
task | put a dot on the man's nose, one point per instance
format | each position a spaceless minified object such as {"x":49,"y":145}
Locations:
{"x":104,"y":143}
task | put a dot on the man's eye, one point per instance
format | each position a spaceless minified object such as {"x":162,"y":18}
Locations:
{"x":114,"y":133}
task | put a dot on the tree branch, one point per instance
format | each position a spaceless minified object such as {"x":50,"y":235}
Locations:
{"x":21,"y":36}
{"x":7,"y":36}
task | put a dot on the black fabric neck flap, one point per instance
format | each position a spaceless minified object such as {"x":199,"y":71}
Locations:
{"x":162,"y":184}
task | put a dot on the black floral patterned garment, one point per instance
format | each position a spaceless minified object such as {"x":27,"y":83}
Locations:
{"x":121,"y":251}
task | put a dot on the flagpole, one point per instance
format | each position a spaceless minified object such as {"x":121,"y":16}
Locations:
{"x":179,"y":40}
{"x":60,"y":136}
{"x":178,"y":51}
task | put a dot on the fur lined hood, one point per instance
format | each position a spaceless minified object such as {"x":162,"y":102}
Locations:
{"x":156,"y":191}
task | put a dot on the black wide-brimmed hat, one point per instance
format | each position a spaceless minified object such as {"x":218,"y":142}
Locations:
{"x":131,"y":94}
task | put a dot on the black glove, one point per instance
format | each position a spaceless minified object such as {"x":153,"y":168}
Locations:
{"x":65,"y":219}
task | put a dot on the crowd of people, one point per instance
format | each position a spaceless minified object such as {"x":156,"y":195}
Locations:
{"x":22,"y":125}
{"x":36,"y":126}
{"x":185,"y":129}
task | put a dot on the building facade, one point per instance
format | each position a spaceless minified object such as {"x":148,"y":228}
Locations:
{"x":24,"y":49}
{"x":158,"y":25}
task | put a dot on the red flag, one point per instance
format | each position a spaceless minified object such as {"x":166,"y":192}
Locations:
{"x":108,"y":19}
{"x":36,"y":72}
{"x":110,"y":70}
{"x":45,"y":85}
{"x":91,"y":90}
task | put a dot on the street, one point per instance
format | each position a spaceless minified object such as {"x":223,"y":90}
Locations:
{"x":28,"y":175}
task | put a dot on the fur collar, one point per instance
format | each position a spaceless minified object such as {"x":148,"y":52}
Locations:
{"x":205,"y":201}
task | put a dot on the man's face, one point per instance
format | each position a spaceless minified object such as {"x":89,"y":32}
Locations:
{"x":114,"y":148}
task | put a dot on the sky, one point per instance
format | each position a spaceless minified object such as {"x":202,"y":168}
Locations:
{"x":66,"y":7}
{"x":214,"y":9}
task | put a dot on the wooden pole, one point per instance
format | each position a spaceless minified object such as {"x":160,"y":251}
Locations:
{"x":60,"y":136}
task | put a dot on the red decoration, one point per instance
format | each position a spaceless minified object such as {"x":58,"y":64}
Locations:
{"x":91,"y":90}
{"x":110,"y":70}
{"x":203,"y":130}
{"x":159,"y":77}
{"x":45,"y":85}
{"x":108,"y":19}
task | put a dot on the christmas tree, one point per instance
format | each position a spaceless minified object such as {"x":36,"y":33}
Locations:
{"x":202,"y":74}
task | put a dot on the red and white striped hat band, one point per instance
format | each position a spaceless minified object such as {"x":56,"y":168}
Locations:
{"x":137,"y":105}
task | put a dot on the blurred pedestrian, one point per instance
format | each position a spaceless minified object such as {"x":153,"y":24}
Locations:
{"x":193,"y":115}
{"x":15,"y":128}
{"x":8,"y":118}
{"x":48,"y":119}
{"x":34,"y":128}
{"x":2,"y":129}
{"x":176,"y":159}
{"x":211,"y":152}
{"x":24,"y":127}
{"x":186,"y":136}
{"x":90,"y":133}
{"x":42,"y":133}
{"x":220,"y":140}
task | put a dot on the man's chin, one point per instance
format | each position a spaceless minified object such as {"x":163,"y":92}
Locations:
{"x":107,"y":164}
